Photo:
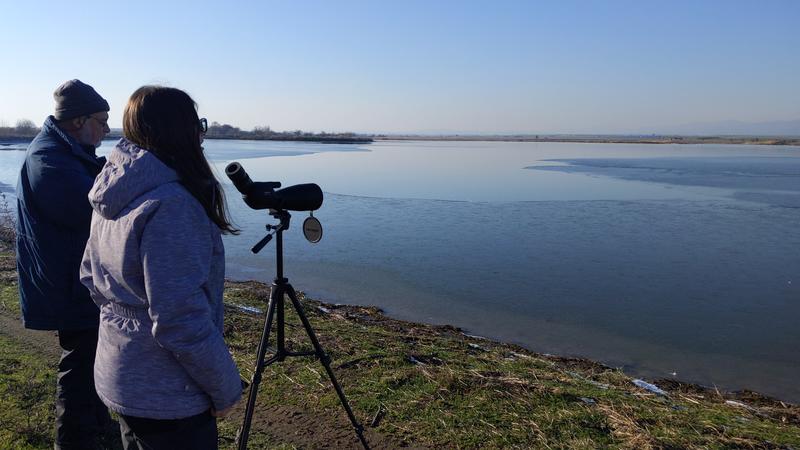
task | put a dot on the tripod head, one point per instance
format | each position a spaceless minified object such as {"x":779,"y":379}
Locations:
{"x":284,"y":218}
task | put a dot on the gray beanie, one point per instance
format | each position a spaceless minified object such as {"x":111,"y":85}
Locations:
{"x":75,"y":98}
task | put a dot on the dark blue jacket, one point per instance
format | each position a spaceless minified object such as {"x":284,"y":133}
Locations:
{"x":53,"y":217}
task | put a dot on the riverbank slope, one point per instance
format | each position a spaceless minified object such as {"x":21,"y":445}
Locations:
{"x":418,"y":386}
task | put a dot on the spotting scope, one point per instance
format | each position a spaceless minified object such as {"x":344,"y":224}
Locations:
{"x":263,"y":194}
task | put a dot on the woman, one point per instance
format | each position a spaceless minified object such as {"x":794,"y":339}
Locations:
{"x":154,"y":264}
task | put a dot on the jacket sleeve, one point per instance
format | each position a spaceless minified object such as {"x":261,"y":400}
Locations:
{"x":176,"y":250}
{"x":60,"y":185}
{"x":86,"y":271}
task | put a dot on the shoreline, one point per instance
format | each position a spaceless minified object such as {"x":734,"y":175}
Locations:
{"x":14,"y":140}
{"x":379,"y":315}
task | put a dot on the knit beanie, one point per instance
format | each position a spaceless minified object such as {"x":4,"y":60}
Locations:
{"x":75,"y":98}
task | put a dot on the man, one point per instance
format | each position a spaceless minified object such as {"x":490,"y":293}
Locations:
{"x":52,"y":229}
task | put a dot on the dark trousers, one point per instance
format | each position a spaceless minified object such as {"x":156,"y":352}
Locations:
{"x":196,"y":432}
{"x":80,"y":415}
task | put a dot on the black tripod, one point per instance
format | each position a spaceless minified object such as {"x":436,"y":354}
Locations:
{"x":280,"y":289}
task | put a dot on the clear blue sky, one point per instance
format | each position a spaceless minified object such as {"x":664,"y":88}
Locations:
{"x":408,"y":66}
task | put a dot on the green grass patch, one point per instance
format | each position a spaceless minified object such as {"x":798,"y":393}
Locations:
{"x":9,"y":300}
{"x":27,"y":389}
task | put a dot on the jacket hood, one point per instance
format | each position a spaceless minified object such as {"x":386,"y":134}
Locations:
{"x":129,"y":172}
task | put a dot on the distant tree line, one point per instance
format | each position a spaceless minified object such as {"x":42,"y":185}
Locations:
{"x":225,"y":131}
{"x":23,"y":129}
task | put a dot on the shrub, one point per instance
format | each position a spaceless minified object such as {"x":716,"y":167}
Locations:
{"x":8,"y":220}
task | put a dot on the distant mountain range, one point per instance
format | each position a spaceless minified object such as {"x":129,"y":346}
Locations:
{"x":730,"y":127}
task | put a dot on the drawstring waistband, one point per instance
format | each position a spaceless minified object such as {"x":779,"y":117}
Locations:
{"x":127,"y":311}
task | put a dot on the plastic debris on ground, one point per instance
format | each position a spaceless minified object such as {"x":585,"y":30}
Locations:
{"x":477,"y":347}
{"x":475,"y":336}
{"x":649,"y":387}
{"x":739,"y":405}
{"x":415,"y":361}
{"x":590,"y":381}
{"x":245,"y":309}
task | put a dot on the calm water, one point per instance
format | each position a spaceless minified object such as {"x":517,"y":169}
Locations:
{"x":660,"y":259}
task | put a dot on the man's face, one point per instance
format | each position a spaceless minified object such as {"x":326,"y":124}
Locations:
{"x":94,"y":129}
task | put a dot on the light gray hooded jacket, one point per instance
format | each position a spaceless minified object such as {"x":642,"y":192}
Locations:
{"x":155,"y":266}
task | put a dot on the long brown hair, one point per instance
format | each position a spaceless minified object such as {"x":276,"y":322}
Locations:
{"x":164,"y":121}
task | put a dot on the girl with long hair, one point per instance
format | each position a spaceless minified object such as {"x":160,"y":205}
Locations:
{"x":155,"y":266}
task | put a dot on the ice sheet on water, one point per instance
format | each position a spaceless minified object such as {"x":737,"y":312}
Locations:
{"x":223,"y":150}
{"x":774,"y":180}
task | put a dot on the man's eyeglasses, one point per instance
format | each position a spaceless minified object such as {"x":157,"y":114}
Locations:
{"x":203,"y":125}
{"x":101,"y":122}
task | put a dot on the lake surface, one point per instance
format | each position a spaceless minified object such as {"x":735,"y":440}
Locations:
{"x":666,"y":260}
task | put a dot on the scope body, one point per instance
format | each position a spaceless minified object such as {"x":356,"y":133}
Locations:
{"x":263,"y":194}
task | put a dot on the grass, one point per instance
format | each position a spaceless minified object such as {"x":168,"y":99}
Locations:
{"x":9,"y":299}
{"x":27,"y":389}
{"x":431,"y":386}
{"x":27,"y":378}
{"x":439,"y":388}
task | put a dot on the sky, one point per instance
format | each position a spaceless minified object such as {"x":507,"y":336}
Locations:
{"x":416,"y":66}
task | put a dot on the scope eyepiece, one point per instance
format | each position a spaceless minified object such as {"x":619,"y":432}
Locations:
{"x":240,"y":179}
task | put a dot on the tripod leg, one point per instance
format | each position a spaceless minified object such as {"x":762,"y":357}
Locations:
{"x":275,"y":296}
{"x":326,"y":362}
